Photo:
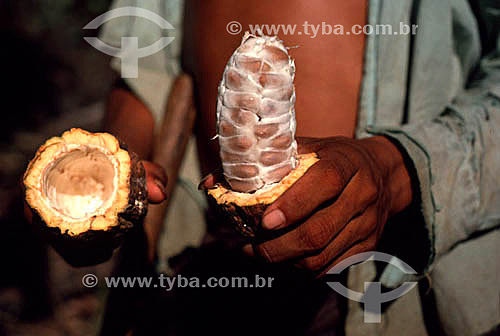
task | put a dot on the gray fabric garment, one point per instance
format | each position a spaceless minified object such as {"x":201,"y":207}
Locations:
{"x":437,"y":94}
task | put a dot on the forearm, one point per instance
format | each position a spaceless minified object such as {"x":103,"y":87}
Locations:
{"x":455,"y":159}
{"x":169,"y":148}
{"x":130,"y":120}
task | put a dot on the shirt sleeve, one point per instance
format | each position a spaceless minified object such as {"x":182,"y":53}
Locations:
{"x":456,"y":159}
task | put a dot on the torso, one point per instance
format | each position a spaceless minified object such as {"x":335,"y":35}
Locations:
{"x":329,"y":67}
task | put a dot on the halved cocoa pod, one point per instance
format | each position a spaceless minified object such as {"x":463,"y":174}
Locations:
{"x":245,"y":210}
{"x":86,"y":191}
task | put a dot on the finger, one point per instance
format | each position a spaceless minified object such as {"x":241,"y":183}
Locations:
{"x":356,"y":231}
{"x":306,"y":195}
{"x":308,"y":145}
{"x":211,"y":180}
{"x":248,"y":250}
{"x":363,"y":246}
{"x":156,"y":181}
{"x":315,"y":234}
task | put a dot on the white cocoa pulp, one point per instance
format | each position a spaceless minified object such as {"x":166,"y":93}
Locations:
{"x":256,"y":115}
{"x":79,"y":183}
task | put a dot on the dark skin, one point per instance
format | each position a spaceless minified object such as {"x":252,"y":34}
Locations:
{"x":329,"y":68}
{"x":363,"y":183}
{"x":357,"y":185}
{"x":125,"y":112}
{"x":128,"y":118}
{"x":339,"y":207}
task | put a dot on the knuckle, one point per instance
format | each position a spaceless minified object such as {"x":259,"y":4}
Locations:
{"x":337,"y":173}
{"x":292,"y":204}
{"x":317,"y":236}
{"x":331,"y":168}
{"x":262,"y":251}
{"x":370,"y":191}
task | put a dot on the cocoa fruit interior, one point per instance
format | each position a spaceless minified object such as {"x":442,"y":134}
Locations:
{"x":79,"y":183}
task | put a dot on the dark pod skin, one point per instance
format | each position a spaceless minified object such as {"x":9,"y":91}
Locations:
{"x":245,"y":219}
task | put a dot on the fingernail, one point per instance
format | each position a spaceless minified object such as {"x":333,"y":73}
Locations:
{"x":161,"y":186}
{"x":274,"y":220}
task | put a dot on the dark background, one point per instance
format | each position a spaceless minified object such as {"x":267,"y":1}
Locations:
{"x":52,"y":80}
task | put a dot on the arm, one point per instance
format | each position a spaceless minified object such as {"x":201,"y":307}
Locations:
{"x":342,"y":204}
{"x":455,"y":162}
{"x":169,"y":149}
{"x":138,"y":117}
{"x":128,"y":118}
{"x":131,"y":121}
{"x":339,"y":207}
{"x":455,"y":157}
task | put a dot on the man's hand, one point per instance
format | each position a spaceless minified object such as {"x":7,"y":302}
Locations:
{"x":339,"y":207}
